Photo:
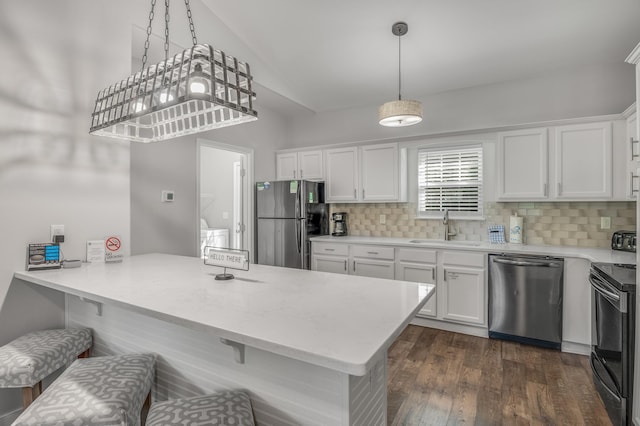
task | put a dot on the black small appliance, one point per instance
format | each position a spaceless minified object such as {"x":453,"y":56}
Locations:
{"x":624,"y":240}
{"x":339,"y":224}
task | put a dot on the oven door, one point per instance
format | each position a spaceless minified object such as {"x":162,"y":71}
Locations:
{"x":610,"y":338}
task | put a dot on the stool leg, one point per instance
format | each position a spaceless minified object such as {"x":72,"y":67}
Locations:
{"x":85,"y":354}
{"x":145,"y":409}
{"x":29,"y":394}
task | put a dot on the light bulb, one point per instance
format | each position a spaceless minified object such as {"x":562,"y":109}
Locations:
{"x":139,"y":106}
{"x":197,"y":87}
{"x":164,"y":98}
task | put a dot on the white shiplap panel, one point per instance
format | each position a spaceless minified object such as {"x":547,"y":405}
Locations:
{"x":283,"y":391}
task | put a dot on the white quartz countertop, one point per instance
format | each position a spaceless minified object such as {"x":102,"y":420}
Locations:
{"x":591,"y":254}
{"x":341,"y":322}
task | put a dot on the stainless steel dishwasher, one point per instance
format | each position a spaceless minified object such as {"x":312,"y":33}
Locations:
{"x":525,"y":299}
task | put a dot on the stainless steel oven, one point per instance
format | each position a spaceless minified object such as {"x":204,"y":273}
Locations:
{"x":613,"y":325}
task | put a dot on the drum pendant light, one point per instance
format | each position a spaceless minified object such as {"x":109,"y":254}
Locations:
{"x":400,"y":113}
{"x":199,"y":89}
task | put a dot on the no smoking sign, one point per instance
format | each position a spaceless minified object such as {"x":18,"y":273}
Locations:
{"x":112,"y":246}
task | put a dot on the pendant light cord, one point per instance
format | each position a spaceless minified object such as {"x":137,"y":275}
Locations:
{"x":399,"y":69}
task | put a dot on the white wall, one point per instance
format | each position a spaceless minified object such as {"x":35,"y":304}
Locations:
{"x":583,"y":92}
{"x":174,"y":228}
{"x":56,"y":56}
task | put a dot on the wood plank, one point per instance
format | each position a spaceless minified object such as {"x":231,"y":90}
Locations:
{"x":442,"y":378}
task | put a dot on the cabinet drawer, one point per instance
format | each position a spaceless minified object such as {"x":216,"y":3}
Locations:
{"x":464,"y":258}
{"x":373,"y":252}
{"x":416,"y":255}
{"x":331,"y":248}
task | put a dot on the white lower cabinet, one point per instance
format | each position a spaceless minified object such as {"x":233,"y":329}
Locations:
{"x":373,"y":261}
{"x":418,"y":265}
{"x":463,"y":290}
{"x":328,"y":257}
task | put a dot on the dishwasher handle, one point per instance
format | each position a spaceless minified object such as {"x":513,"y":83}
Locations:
{"x":526,"y":263}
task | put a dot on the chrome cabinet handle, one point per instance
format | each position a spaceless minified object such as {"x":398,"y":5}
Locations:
{"x":372,"y":252}
{"x":294,"y":174}
{"x":301,"y":174}
{"x":354,"y":266}
{"x":345,"y":264}
{"x":433,"y":274}
{"x":559,"y":188}
{"x":328,"y":249}
{"x":355,"y":193}
{"x":545,"y":189}
{"x":632,"y":141}
{"x":362,"y":192}
{"x":631,"y":178}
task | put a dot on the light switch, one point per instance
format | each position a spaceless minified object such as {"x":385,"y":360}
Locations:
{"x":383,"y":219}
{"x":605,"y":223}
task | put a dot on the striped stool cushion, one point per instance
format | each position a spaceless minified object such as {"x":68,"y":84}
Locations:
{"x":223,"y":408}
{"x":108,"y":390}
{"x":32,"y":357}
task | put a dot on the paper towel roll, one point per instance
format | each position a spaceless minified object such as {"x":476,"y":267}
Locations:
{"x":515,"y":229}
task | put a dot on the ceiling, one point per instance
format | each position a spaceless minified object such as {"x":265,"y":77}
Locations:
{"x":335,"y":54}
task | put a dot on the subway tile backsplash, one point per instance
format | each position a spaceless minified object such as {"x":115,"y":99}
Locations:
{"x":551,"y":223}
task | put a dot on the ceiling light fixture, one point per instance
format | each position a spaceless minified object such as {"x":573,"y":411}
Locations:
{"x":196,"y":90}
{"x":401,"y":112}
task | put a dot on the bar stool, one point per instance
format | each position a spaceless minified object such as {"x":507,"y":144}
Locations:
{"x":222,"y":408}
{"x":25,"y":361}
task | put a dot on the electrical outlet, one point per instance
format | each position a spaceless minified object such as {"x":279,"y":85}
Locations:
{"x":383,"y":219}
{"x":605,"y":223}
{"x":56,"y":230}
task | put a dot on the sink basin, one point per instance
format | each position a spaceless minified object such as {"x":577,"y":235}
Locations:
{"x":450,"y":242}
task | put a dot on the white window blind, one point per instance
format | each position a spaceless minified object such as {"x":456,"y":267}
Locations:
{"x":450,"y":179}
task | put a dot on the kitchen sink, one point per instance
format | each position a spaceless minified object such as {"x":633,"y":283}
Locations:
{"x":450,"y":242}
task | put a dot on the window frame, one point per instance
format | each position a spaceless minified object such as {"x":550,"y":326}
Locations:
{"x":453,"y":214}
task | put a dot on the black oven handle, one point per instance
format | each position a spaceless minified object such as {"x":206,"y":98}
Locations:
{"x":599,"y":286}
{"x":602,"y":382}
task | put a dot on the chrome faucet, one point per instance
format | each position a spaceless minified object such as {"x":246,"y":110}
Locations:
{"x":445,"y":221}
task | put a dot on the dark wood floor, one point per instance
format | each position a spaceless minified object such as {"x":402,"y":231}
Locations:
{"x":442,"y":378}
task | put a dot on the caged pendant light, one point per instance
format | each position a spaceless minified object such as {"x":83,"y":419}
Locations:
{"x":196,"y":90}
{"x":401,"y":112}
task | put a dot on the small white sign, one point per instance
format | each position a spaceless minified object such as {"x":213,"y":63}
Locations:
{"x":226,"y":258}
{"x":95,"y":251}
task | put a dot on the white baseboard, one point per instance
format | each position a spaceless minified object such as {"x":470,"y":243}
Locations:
{"x":576,"y":348}
{"x":457,"y":328}
{"x":7,"y":418}
{"x":569,"y":347}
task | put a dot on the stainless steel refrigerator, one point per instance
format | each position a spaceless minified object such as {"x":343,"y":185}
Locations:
{"x":288,"y":213}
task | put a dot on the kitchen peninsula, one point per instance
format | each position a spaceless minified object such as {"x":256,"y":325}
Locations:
{"x":309,"y":347}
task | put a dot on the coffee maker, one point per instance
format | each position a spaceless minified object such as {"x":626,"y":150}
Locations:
{"x":339,"y":224}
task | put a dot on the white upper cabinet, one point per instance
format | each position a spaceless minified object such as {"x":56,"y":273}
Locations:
{"x":523,"y":165}
{"x":379,"y":172}
{"x":287,"y":166}
{"x":342,"y":169}
{"x":371,"y":173}
{"x":299,"y":165}
{"x":572,"y":162}
{"x":583,"y":158}
{"x":310,"y":165}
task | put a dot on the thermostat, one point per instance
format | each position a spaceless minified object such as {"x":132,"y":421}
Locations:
{"x":167,"y":196}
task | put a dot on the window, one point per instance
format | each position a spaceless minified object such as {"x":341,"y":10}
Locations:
{"x":450,"y":179}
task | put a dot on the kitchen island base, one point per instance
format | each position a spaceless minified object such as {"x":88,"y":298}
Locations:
{"x":283,"y":391}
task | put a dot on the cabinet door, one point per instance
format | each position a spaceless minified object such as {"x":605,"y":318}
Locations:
{"x":633,"y":157}
{"x":379,"y":170}
{"x":335,"y":264}
{"x":341,"y":175}
{"x":523,"y":165}
{"x":419,"y":273}
{"x":583,"y":155}
{"x":463,"y":295}
{"x":310,"y":165}
{"x":286,"y":166}
{"x":374,"y":268}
